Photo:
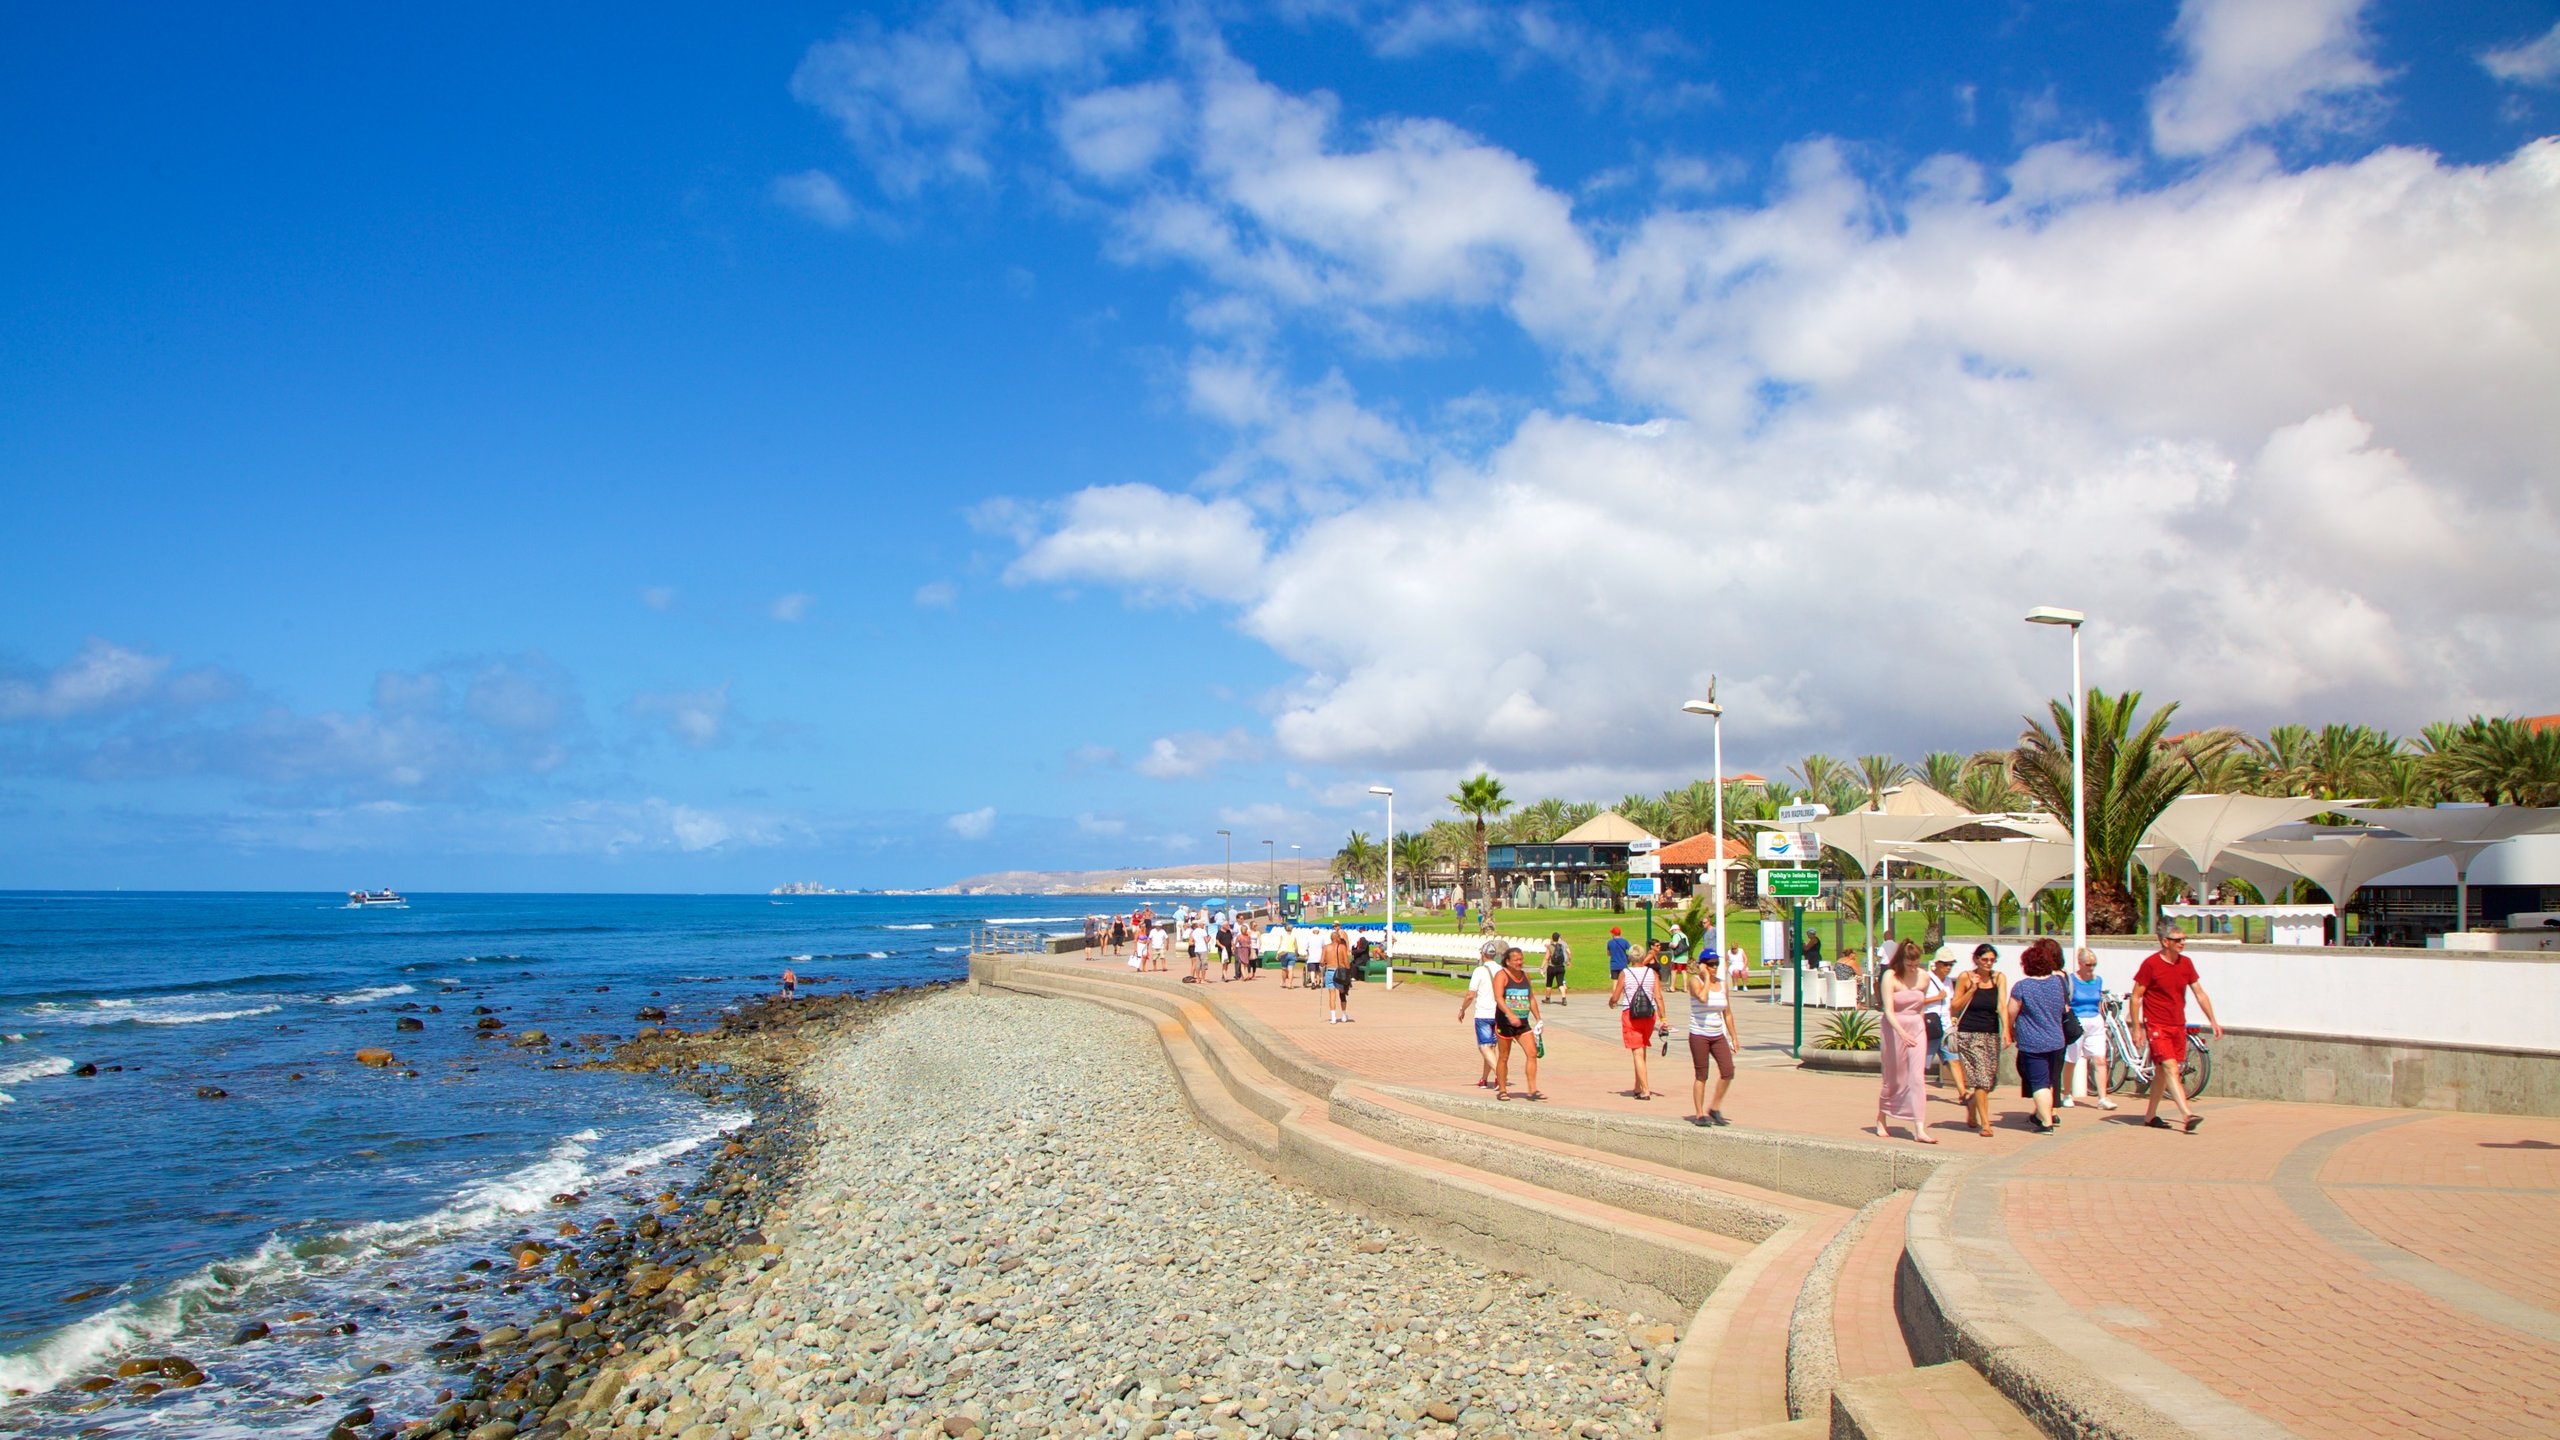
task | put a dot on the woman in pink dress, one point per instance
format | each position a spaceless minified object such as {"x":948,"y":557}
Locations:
{"x":1906,"y":1046}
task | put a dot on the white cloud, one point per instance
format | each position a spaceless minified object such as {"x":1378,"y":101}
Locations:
{"x":2273,"y":427}
{"x":815,"y":195}
{"x":658,"y":597}
{"x":103,"y":676}
{"x":1091,"y":824}
{"x":973,"y":824}
{"x":1990,"y":395}
{"x":698,"y":718}
{"x":1118,"y":134}
{"x":2527,"y":62}
{"x":1147,"y":542}
{"x":2250,"y":65}
{"x":1191,"y":754}
{"x":924,"y":104}
{"x":793,"y":608}
{"x":937,"y":594}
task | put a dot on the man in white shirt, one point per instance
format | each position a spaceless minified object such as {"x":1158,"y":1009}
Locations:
{"x":1483,"y":999}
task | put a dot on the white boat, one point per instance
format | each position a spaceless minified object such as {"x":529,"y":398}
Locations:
{"x":376,"y":900}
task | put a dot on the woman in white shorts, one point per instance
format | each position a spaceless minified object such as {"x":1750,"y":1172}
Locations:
{"x":2088,"y":1054}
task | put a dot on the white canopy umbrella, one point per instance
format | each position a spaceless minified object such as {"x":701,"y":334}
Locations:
{"x":2201,"y":827}
{"x":2343,"y":860}
{"x":2465,"y":831}
{"x":2001,"y":867}
{"x":1864,"y":835}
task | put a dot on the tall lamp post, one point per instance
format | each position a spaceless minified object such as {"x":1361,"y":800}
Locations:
{"x":1270,"y":877}
{"x":1227,"y":881}
{"x":1715,"y":712}
{"x":1390,"y":792}
{"x":2073,"y":620}
{"x":1298,"y":873}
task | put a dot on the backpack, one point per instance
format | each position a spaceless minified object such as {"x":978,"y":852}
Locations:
{"x":1640,"y":1004}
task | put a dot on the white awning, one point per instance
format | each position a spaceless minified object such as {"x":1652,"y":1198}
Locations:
{"x":2001,"y":867}
{"x":2343,"y":863}
{"x":2201,"y":827}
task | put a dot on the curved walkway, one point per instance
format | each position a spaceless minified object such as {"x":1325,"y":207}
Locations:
{"x":2288,"y":1269}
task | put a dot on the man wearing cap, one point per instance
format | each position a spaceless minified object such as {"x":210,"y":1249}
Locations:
{"x":1940,"y":987}
{"x":1559,"y":956}
{"x":1617,"y":954}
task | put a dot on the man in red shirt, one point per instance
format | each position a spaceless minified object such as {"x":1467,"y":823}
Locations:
{"x":2159,"y":1005}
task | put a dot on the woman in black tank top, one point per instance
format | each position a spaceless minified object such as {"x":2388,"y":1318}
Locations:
{"x":1981,"y":1005}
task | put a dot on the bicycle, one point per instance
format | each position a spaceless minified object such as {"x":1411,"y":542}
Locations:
{"x":2129,"y":1062}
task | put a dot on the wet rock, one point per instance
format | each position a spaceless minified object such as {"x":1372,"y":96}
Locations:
{"x":85,"y":1069}
{"x":490,"y":1022}
{"x":254,"y":1330}
{"x":408,"y":1022}
{"x":530,"y":1039}
{"x":374,"y":1056}
{"x":212,"y":1092}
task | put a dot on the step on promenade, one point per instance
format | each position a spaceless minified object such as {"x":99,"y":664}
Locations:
{"x":2287,"y":1270}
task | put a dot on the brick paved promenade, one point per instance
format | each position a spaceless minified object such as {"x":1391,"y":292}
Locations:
{"x":2302,"y":1269}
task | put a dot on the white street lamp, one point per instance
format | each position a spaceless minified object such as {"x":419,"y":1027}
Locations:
{"x":1713,"y":711}
{"x":1227,"y":885}
{"x":2073,"y":619}
{"x":1390,"y":792}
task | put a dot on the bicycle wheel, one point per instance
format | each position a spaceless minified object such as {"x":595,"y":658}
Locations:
{"x":2198,"y":1071}
{"x":2119,"y":1072}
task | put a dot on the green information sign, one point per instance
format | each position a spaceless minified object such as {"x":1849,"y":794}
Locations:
{"x":1791,"y":884}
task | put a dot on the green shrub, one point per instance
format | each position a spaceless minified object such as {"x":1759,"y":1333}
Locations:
{"x":1850,"y":1030}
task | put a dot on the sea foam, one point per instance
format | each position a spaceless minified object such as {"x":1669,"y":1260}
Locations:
{"x":78,"y":1348}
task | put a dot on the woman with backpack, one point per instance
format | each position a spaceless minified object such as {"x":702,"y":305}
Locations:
{"x":1639,"y":990}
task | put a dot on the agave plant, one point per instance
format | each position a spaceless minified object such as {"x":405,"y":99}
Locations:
{"x":1850,"y":1030}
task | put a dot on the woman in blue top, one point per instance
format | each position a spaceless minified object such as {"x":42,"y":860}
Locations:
{"x":2087,"y":1056}
{"x":2035,"y":1017}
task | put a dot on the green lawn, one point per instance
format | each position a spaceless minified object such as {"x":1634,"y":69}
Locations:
{"x":1587,"y":932}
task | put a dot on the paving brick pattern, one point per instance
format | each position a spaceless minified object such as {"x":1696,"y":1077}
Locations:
{"x":1864,"y":1330}
{"x":1749,"y":1384}
{"x":2282,"y":1256}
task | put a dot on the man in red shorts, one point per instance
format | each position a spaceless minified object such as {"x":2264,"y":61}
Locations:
{"x":2159,"y":1001}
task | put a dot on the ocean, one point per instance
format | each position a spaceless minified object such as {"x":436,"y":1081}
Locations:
{"x":145,"y":1220}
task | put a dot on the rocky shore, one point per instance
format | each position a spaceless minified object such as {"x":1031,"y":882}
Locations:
{"x":959,"y":1216}
{"x":564,"y":1296}
{"x":624,"y":1288}
{"x":1008,"y":1225}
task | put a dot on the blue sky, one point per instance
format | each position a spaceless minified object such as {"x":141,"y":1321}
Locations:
{"x":635,"y":450}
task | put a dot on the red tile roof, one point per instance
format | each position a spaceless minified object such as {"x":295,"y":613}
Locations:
{"x":1697,"y":850}
{"x":2540,"y":723}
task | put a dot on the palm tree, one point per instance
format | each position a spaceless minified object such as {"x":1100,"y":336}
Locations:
{"x":1879,"y":773}
{"x":1648,"y":813}
{"x":1479,"y":797}
{"x":1748,"y":802}
{"x":2130,"y":776}
{"x":2278,"y":764}
{"x":1359,"y":859}
{"x":1691,"y":809}
{"x":1942,"y":771}
{"x":1818,"y":774}
{"x":1416,"y":851}
{"x":1987,"y":788}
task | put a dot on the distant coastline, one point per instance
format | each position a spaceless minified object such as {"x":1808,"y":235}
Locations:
{"x":1211,"y":879}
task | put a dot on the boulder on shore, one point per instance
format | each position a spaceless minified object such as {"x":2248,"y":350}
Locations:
{"x":374,"y":1056}
{"x":212,"y":1092}
{"x":409,"y":1022}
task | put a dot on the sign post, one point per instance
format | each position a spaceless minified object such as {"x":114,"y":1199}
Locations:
{"x":1795,"y":886}
{"x":1641,"y":861}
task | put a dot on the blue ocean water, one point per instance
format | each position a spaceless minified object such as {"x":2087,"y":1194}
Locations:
{"x":144,"y":1219}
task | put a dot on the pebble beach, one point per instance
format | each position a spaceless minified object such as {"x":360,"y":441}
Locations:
{"x":999,"y":1219}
